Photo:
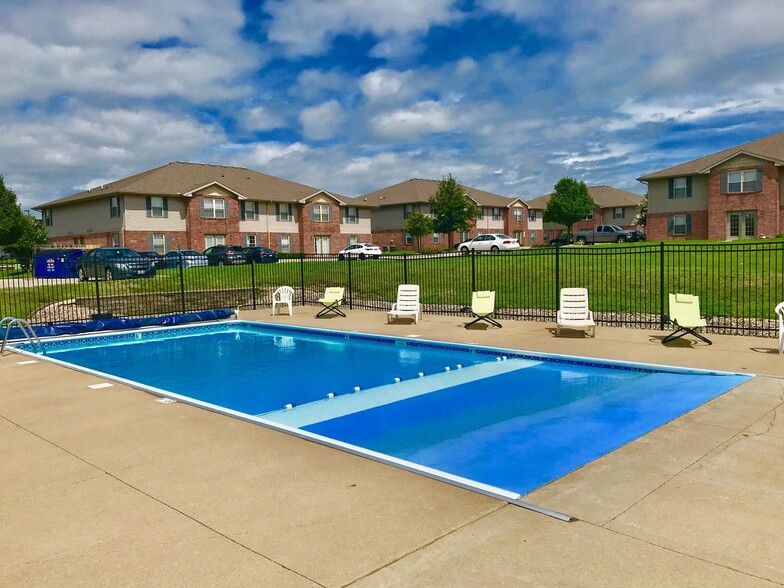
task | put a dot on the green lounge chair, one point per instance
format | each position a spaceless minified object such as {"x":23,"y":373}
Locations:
{"x":685,"y":316}
{"x":482,"y":306}
{"x":333,"y":298}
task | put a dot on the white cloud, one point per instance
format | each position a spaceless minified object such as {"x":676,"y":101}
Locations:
{"x":322,"y":121}
{"x":306,"y":27}
{"x":385,"y":84}
{"x":261,"y":118}
{"x":422,"y":118}
{"x":146,"y":48}
{"x":52,"y":155}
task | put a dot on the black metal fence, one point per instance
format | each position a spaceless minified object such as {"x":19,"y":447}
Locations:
{"x":738,"y":284}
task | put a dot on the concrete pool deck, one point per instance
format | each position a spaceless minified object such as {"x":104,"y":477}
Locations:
{"x":106,"y":486}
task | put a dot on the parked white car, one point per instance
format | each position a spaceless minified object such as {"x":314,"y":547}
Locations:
{"x":361,"y":251}
{"x":492,"y":242}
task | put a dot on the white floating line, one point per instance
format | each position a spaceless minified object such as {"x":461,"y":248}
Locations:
{"x":413,"y":336}
{"x":28,"y":362}
{"x":165,"y":400}
{"x":101,"y":385}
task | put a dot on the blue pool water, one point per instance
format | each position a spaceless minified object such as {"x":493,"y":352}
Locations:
{"x":507,"y":419}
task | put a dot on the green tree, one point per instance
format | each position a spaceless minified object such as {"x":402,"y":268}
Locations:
{"x":452,"y":209}
{"x":11,"y":216}
{"x":569,"y":203}
{"x":33,"y":236}
{"x":418,"y":225}
{"x":642,"y":212}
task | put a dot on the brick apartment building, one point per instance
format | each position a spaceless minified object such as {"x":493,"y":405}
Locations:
{"x":612,"y":207}
{"x":194,"y":206}
{"x":393,"y":204}
{"x":732,"y":194}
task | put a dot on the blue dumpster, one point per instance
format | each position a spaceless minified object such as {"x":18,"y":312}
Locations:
{"x":56,"y":263}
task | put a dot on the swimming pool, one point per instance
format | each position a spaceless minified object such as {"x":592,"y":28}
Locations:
{"x":498,"y":420}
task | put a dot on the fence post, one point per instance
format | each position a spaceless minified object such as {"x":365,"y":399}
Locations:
{"x":253,"y":282}
{"x":302,"y":277}
{"x":350,"y":285}
{"x":405,"y":269}
{"x":97,"y":290}
{"x":661,"y":285}
{"x":473,"y":270}
{"x":182,"y":283}
{"x":557,"y":278}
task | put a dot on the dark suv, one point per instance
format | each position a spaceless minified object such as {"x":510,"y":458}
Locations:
{"x":113,"y":263}
{"x":260,"y":255}
{"x":225,"y":255}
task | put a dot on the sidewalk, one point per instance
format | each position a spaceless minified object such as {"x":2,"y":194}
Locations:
{"x":107,"y":486}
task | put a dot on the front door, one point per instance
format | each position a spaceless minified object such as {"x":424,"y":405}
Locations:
{"x":741,"y":225}
{"x":321,"y":244}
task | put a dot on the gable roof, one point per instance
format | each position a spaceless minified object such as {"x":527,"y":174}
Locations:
{"x":603,"y":197}
{"x":770,"y":148}
{"x":420,"y":190}
{"x":183,"y":178}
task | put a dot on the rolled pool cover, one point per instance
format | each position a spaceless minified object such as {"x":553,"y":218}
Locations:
{"x":119,"y":324}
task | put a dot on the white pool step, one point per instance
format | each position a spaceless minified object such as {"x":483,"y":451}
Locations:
{"x":326,"y":409}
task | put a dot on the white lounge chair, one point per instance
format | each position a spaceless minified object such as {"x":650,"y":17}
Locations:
{"x":780,"y":313}
{"x":407,"y":304}
{"x":574,"y":312}
{"x":283,"y":296}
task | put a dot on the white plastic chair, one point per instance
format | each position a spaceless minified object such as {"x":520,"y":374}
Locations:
{"x":574,"y":312}
{"x":780,"y":313}
{"x":283,"y":296}
{"x":407,"y":303}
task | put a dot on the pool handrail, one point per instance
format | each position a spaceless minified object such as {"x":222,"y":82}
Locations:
{"x":25,"y":327}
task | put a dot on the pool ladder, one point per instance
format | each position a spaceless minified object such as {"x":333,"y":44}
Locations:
{"x":27,"y":330}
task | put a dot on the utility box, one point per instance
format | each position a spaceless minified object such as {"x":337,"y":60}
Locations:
{"x":56,"y":263}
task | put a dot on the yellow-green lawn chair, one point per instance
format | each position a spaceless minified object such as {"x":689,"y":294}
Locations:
{"x":482,"y":306}
{"x":685,"y":317}
{"x":333,"y":298}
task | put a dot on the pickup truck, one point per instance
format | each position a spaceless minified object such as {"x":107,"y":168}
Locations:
{"x":605,"y":234}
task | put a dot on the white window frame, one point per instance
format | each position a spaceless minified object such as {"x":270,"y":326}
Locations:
{"x":211,"y":208}
{"x":532,"y":215}
{"x":480,"y":214}
{"x":679,"y":187}
{"x":532,"y":236}
{"x":213,"y":240}
{"x":409,"y":240}
{"x":676,"y":224}
{"x":283,"y":212}
{"x":353,"y":239}
{"x":285,"y":244}
{"x":159,"y":243}
{"x":617,"y":212}
{"x":47,"y":217}
{"x":320,"y":213}
{"x":517,"y":213}
{"x":497,"y":216}
{"x":742,"y":181}
{"x":251,"y":241}
{"x":352,"y":218}
{"x":251,"y":211}
{"x":519,"y":235}
{"x":436,"y":238}
{"x":114,"y":207}
{"x":115,"y":239}
{"x":407,"y":210}
{"x":589,"y":216}
{"x":464,"y":236}
{"x":157,"y":206}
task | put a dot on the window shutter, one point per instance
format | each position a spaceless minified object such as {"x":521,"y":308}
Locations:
{"x":165,"y":207}
{"x":724,"y":180}
{"x":688,"y":224}
{"x":167,"y":243}
{"x":110,"y":207}
{"x":759,"y":179}
{"x":149,"y":242}
{"x":669,"y":225}
{"x":202,"y":210}
{"x":243,"y":208}
{"x":671,"y":193}
{"x":255,"y":211}
{"x":149,"y":206}
{"x":329,"y":213}
{"x":688,"y":187}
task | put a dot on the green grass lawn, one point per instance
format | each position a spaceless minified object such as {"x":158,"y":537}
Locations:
{"x":733,"y":280}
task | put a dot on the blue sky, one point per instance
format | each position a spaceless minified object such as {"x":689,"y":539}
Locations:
{"x":354,"y":95}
